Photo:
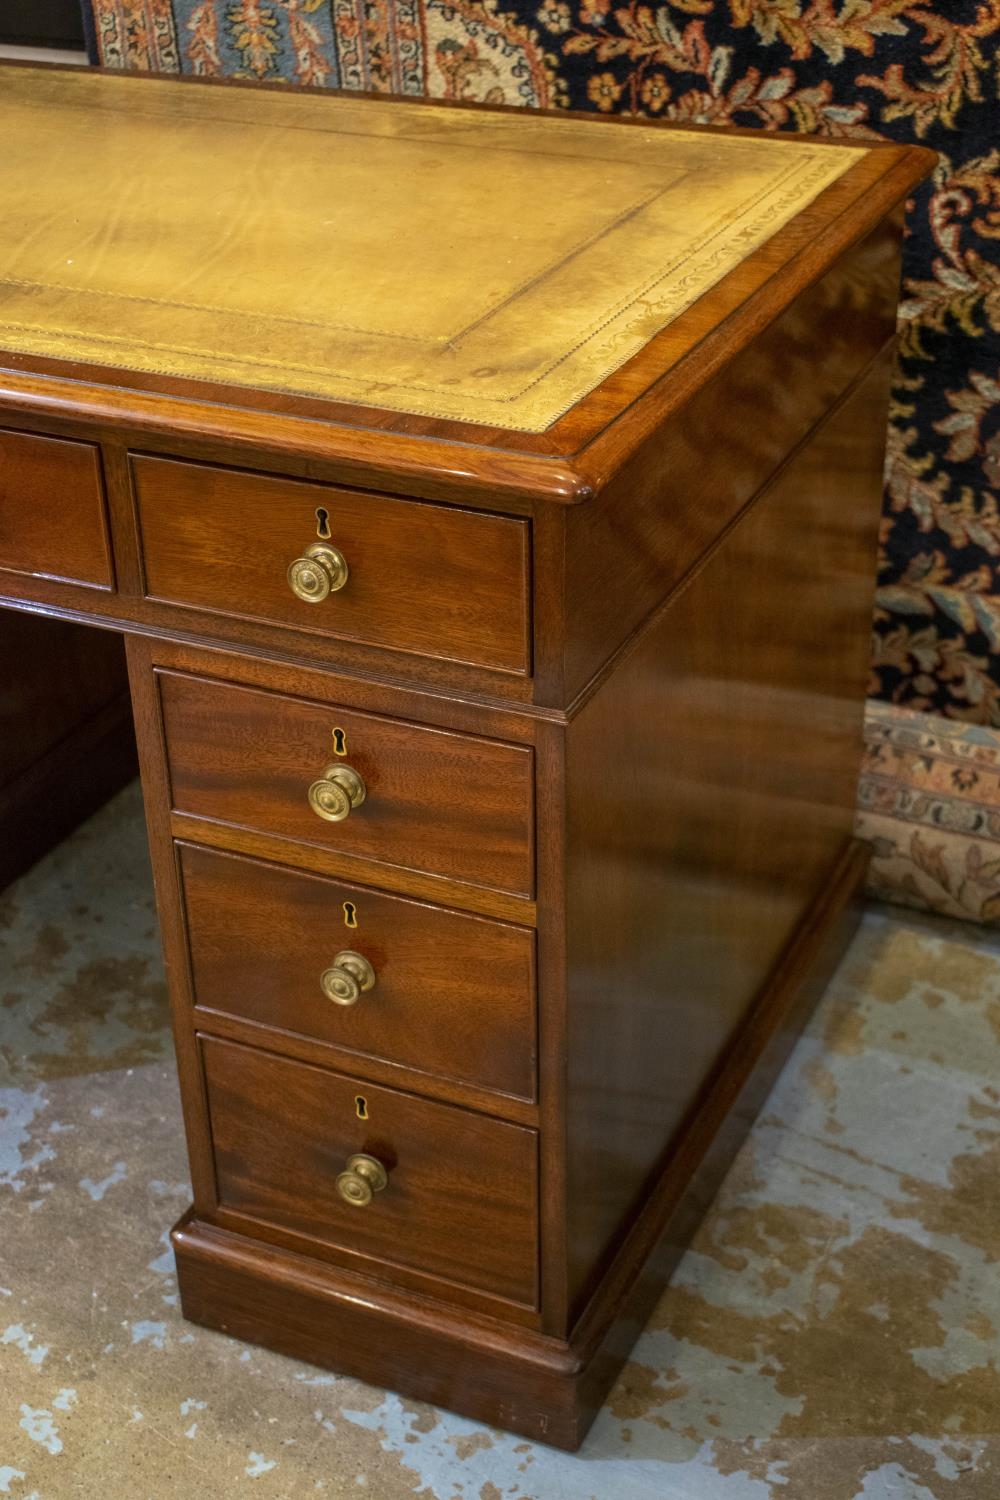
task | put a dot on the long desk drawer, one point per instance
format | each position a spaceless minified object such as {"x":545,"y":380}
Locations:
{"x":373,"y":788}
{"x":432,"y":580}
{"x":52,"y":517}
{"x":426,"y":988}
{"x":458,"y":1200}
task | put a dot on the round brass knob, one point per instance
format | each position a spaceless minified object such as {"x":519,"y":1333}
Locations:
{"x":318,"y":573}
{"x":364,"y":1177}
{"x":347,"y":978}
{"x":338,"y":790}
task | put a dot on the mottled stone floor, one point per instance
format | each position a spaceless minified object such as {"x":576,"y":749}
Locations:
{"x":832,"y":1334}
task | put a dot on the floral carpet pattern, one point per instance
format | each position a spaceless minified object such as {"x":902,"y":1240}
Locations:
{"x":832,"y":1334}
{"x":901,"y":69}
{"x":929,"y":804}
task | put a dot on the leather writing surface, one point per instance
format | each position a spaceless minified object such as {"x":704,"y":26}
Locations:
{"x":485,"y":267}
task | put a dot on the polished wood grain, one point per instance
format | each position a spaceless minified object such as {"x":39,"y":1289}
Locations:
{"x":716,"y":1128}
{"x":462,"y":1193}
{"x":736,"y":722}
{"x":66,"y":739}
{"x":454,"y":995}
{"x":445,"y":804}
{"x":52,"y":519}
{"x":54,"y":677}
{"x":397,"y":880}
{"x":481,"y":1366}
{"x":425,"y":579}
{"x":669,"y":502}
{"x":156,"y":802}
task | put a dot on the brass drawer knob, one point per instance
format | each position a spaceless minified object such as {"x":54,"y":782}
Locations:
{"x":338,"y":790}
{"x":318,"y":573}
{"x":347,"y":978}
{"x":364,"y":1177}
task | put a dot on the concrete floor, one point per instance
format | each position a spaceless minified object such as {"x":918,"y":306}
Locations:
{"x":832,"y":1334}
{"x":43,"y":54}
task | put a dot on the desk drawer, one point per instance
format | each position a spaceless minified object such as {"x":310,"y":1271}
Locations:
{"x":426,"y":579}
{"x":453,"y":995}
{"x":460,"y":1202}
{"x":52,"y":518}
{"x":435,"y":802}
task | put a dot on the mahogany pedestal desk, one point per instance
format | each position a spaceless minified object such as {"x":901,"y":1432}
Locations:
{"x":489,"y":502}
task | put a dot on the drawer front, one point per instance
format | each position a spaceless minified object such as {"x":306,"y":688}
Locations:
{"x":436,"y":802}
{"x":52,"y":517}
{"x":453,"y":995}
{"x":461,"y":1197}
{"x":425,"y":579}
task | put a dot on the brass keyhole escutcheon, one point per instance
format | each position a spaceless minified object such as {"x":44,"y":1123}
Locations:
{"x":347,"y":978}
{"x":318,"y":573}
{"x":338,"y":790}
{"x":363,"y":1178}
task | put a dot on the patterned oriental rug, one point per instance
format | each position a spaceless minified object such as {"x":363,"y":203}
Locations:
{"x":832,"y":1334}
{"x":929,"y":803}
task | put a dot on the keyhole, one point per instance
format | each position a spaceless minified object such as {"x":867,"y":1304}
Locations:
{"x":361,"y":1105}
{"x":350,"y":914}
{"x":339,"y":742}
{"x":323,"y":523}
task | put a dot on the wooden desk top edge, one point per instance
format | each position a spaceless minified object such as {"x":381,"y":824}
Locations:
{"x":575,"y":456}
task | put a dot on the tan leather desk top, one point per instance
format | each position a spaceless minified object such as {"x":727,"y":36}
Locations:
{"x":491,"y":268}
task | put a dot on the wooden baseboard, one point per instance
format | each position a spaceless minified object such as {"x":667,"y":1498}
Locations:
{"x":63,"y":787}
{"x":543,"y":1388}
